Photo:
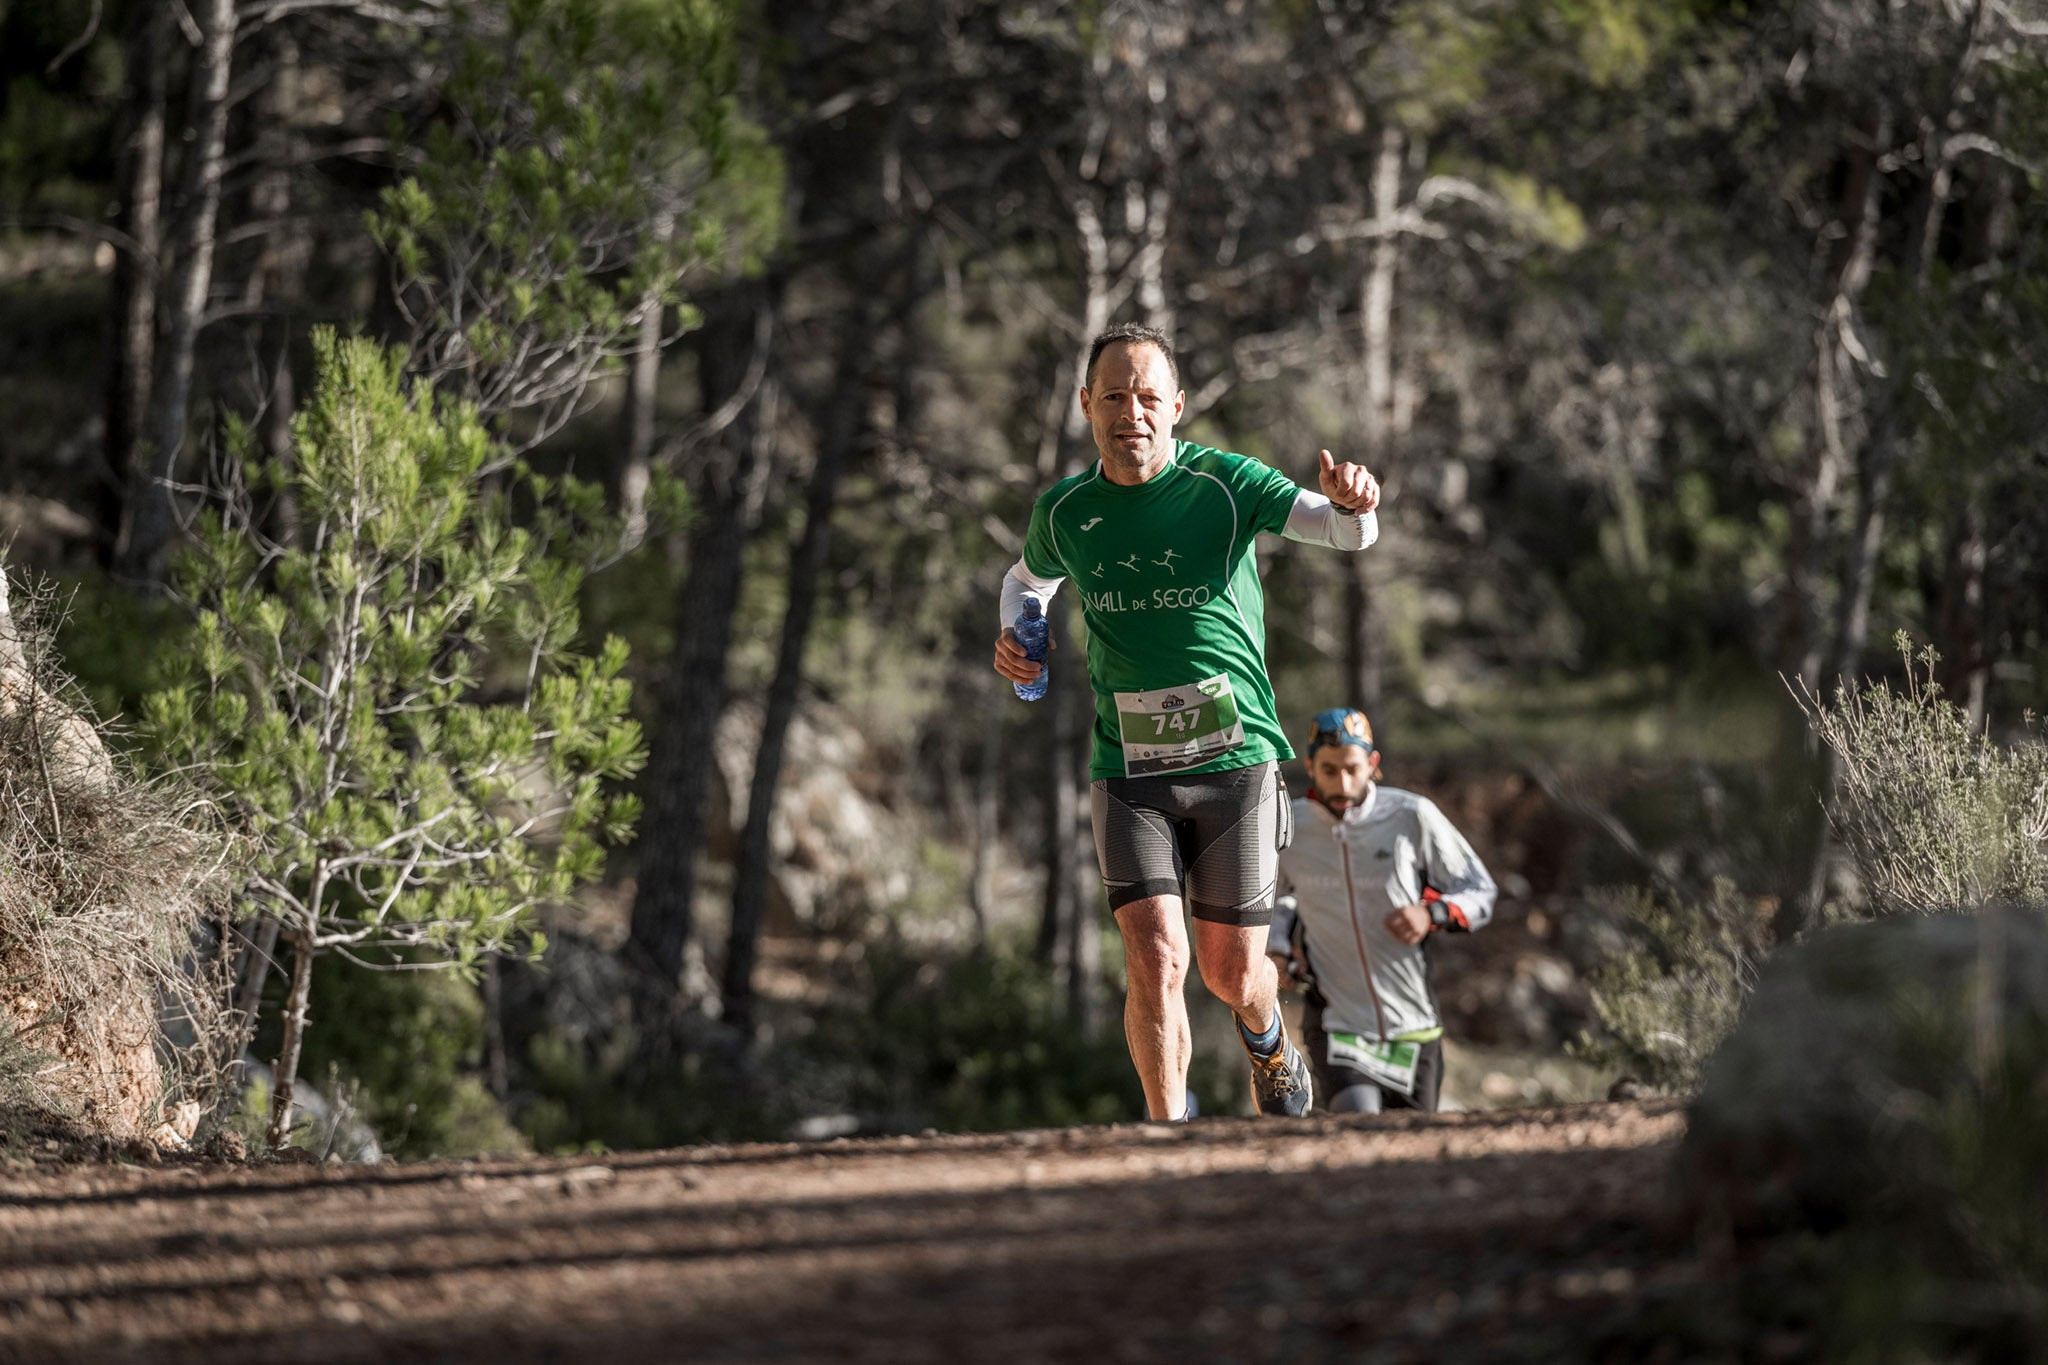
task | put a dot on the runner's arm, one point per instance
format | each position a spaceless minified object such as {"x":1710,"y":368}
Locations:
{"x":1283,"y":939}
{"x":1280,"y":934}
{"x":1315,"y":520}
{"x":1020,"y":583}
{"x":1454,"y":872}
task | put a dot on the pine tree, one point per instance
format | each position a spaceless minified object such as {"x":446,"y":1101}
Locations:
{"x":395,"y":705}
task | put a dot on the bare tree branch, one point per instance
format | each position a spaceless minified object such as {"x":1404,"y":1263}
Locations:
{"x":78,"y":44}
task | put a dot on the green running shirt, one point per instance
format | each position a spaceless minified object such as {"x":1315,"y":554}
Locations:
{"x":1169,"y":589}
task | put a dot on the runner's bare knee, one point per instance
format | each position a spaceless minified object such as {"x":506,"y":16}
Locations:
{"x":1155,"y":946}
{"x":1234,"y":964}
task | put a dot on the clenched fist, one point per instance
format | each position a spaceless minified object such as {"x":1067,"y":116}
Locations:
{"x":1410,"y":924}
{"x":1351,"y":486}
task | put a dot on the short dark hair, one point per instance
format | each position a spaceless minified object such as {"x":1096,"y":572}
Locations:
{"x":1130,"y":334}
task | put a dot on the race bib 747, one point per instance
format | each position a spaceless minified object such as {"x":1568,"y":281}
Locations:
{"x":1173,"y":729}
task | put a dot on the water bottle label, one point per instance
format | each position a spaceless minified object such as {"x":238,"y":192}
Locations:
{"x":1172,"y":729}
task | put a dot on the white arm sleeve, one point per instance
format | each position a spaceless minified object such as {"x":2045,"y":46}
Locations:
{"x":1453,"y":868}
{"x":1315,"y":520}
{"x":1280,"y":936}
{"x":1020,"y":583}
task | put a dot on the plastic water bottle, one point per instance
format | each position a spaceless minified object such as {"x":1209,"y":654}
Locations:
{"x":1034,"y":632}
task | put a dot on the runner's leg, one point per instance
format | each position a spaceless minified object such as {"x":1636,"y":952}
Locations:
{"x":1429,"y":1081}
{"x":1232,"y":880}
{"x":1237,"y":971}
{"x":1238,"y":824}
{"x":1363,"y":1098}
{"x":1429,"y":1077}
{"x":1349,"y":1091}
{"x":1232,"y":823}
{"x":1155,"y":1003}
{"x":1138,"y":847}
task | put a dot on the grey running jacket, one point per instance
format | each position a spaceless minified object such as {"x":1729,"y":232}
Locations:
{"x":1341,"y":878}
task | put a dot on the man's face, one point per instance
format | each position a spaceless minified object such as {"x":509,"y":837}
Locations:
{"x":1342,"y":773}
{"x":1132,"y":406}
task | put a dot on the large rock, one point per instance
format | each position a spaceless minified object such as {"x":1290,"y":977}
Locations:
{"x":42,"y":530}
{"x":72,"y":749}
{"x":84,"y":1013}
{"x":838,"y":846}
{"x":1854,"y":1044}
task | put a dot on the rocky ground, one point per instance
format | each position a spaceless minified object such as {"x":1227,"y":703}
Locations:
{"x":1520,"y":1235}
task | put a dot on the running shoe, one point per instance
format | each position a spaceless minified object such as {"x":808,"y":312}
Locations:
{"x":1280,"y":1082}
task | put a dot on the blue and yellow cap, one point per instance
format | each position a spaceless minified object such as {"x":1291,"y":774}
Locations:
{"x":1340,"y":725}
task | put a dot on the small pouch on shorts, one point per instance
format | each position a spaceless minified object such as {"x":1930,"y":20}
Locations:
{"x":1283,"y":828}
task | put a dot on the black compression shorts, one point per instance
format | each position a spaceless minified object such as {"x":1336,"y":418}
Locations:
{"x":1214,"y":839}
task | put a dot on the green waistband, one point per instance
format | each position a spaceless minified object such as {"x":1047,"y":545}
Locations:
{"x":1420,"y":1035}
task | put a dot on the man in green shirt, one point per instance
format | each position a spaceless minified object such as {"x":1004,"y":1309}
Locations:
{"x":1188,"y":806}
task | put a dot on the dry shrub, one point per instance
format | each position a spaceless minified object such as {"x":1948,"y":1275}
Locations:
{"x":1666,"y":1001}
{"x":113,"y":894}
{"x":1934,"y":812}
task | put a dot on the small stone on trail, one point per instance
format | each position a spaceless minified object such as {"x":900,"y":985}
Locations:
{"x":227,"y":1145}
{"x":583,"y":1177}
{"x":1500,"y":1087}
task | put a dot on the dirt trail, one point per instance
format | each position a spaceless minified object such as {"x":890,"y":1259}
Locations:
{"x":1503,"y":1236}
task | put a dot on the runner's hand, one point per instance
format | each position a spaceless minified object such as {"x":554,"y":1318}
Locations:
{"x":1292,"y":971}
{"x":1351,"y":486}
{"x":1010,"y":660}
{"x":1410,"y":924}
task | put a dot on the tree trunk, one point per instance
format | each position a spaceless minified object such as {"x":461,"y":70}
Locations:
{"x":1860,"y":577}
{"x":1364,"y":674}
{"x":987,"y":818}
{"x":1066,"y":768}
{"x":1835,"y":363}
{"x":692,"y":693}
{"x":279,"y":404}
{"x":1963,"y":630}
{"x":285,"y":1075}
{"x":1812,"y":541}
{"x":1362,"y":677}
{"x":191,"y":278}
{"x":12,"y":658}
{"x":1806,"y":555}
{"x":1065,"y":771}
{"x":843,"y":431}
{"x":255,"y":975}
{"x":1153,"y":300}
{"x":1376,"y":302}
{"x":132,"y":300}
{"x":497,"y":1064}
{"x":1965,"y":668}
{"x":643,"y":389}
{"x":280,"y":272}
{"x":1084,"y":934}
